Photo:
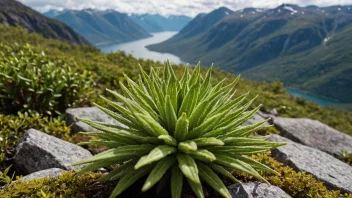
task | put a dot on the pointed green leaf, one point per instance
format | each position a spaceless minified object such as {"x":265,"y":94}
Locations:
{"x":158,"y":171}
{"x":156,"y":154}
{"x":187,"y":146}
{"x":188,"y":167}
{"x":169,"y":140}
{"x":176,"y":182}
{"x":181,"y":130}
{"x":128,"y":179}
{"x":196,"y":188}
{"x":213,"y":180}
{"x":223,"y":171}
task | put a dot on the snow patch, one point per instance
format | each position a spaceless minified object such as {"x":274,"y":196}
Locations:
{"x":302,"y":12}
{"x":338,"y":9}
{"x":279,"y":10}
{"x":290,"y":9}
{"x":241,"y":15}
{"x":326,"y":39}
{"x":88,"y":11}
{"x":142,"y":19}
{"x":349,"y":8}
{"x":253,"y":12}
{"x":227,"y":13}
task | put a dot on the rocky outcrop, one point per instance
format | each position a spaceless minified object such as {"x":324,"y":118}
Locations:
{"x":324,"y":167}
{"x":90,"y":113}
{"x":39,"y":151}
{"x":314,"y":134}
{"x":256,"y":190}
{"x":52,"y":172}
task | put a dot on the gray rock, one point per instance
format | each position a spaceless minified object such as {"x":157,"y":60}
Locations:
{"x":314,"y":134}
{"x":324,"y":167}
{"x":90,"y":113}
{"x":39,"y":151}
{"x":52,"y":172}
{"x":255,"y":119}
{"x":273,"y":111}
{"x":256,"y":190}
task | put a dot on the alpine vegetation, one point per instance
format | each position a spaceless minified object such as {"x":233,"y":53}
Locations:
{"x":187,"y":127}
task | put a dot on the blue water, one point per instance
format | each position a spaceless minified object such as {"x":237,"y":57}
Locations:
{"x":321,"y":101}
{"x":138,"y":48}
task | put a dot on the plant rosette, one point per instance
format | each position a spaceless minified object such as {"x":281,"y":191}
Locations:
{"x":188,"y":127}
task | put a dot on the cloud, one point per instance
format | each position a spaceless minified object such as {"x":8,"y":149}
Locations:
{"x":169,"y":7}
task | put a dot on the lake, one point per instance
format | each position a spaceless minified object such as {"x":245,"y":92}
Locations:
{"x":321,"y":101}
{"x":138,"y":49}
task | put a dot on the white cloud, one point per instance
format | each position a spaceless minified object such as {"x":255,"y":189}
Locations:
{"x":170,"y":7}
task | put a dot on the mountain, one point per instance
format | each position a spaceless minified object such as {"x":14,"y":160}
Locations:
{"x":158,"y":23}
{"x":101,"y":27}
{"x":308,"y":48}
{"x":14,"y":13}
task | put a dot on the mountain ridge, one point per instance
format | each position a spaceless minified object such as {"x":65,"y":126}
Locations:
{"x":288,"y":43}
{"x":14,"y":13}
{"x":157,"y":23}
{"x":101,"y":27}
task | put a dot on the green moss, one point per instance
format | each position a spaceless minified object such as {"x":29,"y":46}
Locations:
{"x":346,"y":157}
{"x":67,"y":185}
{"x":296,"y":184}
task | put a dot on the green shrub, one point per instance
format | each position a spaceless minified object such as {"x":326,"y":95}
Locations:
{"x":186,"y":127}
{"x":31,"y":81}
{"x":12,"y":128}
{"x":67,"y":185}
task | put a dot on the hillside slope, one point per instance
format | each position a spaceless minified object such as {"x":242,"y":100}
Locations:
{"x":14,"y":13}
{"x":306,"y":48}
{"x":101,"y":27}
{"x":158,"y":23}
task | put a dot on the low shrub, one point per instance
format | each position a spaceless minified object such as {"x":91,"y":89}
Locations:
{"x":12,"y":128}
{"x":31,"y":81}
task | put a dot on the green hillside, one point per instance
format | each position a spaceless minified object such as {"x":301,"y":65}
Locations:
{"x":108,"y":69}
{"x":307,"y":48}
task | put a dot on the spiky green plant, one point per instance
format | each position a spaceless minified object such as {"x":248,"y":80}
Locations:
{"x":186,"y":126}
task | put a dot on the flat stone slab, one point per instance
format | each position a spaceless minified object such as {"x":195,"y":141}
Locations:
{"x":52,"y":172}
{"x":255,"y":119}
{"x":335,"y":174}
{"x":314,"y":134}
{"x":39,"y":151}
{"x":90,"y":113}
{"x":256,"y":190}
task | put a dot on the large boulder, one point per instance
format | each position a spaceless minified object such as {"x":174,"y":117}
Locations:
{"x":39,"y":151}
{"x":314,"y":134}
{"x":256,"y":190}
{"x":90,"y":113}
{"x":324,"y":167}
{"x":52,"y":172}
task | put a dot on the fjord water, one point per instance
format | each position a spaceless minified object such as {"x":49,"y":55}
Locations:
{"x":138,"y":48}
{"x":321,"y":101}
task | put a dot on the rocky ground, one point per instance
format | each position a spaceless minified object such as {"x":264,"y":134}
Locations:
{"x":312,"y":148}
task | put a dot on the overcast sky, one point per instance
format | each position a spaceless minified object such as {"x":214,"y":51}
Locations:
{"x":168,"y":7}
